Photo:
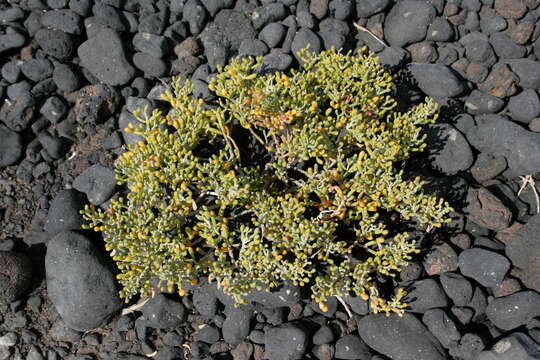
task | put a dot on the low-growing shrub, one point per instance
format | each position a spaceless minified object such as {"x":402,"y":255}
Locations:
{"x":311,"y":206}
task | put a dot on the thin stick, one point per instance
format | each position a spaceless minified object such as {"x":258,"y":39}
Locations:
{"x":360,"y":27}
{"x":529,"y":180}
{"x":345,"y":306}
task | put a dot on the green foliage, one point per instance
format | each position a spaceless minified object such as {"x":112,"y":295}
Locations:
{"x":252,"y":227}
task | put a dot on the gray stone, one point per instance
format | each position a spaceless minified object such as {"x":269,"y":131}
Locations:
{"x":97,"y":182}
{"x":436,"y":80}
{"x":515,"y":310}
{"x":516,"y":346}
{"x":486,"y":267}
{"x":80,"y":281}
{"x":11,"y":146}
{"x":400,"y":338}
{"x":103,"y":55}
{"x":407,"y":22}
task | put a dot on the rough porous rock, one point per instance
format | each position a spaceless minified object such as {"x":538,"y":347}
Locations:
{"x":287,"y":341}
{"x":94,"y":103}
{"x":436,"y":80}
{"x":523,"y":250}
{"x":17,"y":115}
{"x":55,"y":43}
{"x":400,"y":338}
{"x":66,"y":20}
{"x":80,"y":281}
{"x":441,"y":258}
{"x":487,"y":210}
{"x":103,"y":55}
{"x":515,"y":310}
{"x":486,"y":267}
{"x":15,"y":275}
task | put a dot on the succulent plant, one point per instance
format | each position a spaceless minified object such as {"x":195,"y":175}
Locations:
{"x":313,"y":210}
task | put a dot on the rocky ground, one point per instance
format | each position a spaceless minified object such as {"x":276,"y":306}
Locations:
{"x":72,"y":73}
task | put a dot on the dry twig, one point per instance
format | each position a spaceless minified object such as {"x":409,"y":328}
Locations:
{"x":362,"y":28}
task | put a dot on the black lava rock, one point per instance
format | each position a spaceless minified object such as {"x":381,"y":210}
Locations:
{"x":56,"y":147}
{"x":436,"y":80}
{"x":65,"y":78}
{"x":237,"y":324}
{"x":479,"y":102}
{"x":252,"y":47}
{"x":351,"y":347}
{"x":486,"y":267}
{"x":86,"y":295}
{"x":18,"y":114}
{"x":276,"y":61}
{"x":512,"y":311}
{"x":407,"y":22}
{"x":303,"y":38}
{"x":269,"y":13}
{"x":55,"y":43}
{"x":152,"y":44}
{"x":195,"y":14}
{"x":505,"y":48}
{"x":11,"y":41}
{"x":273,"y":34}
{"x":528,"y":72}
{"x":425,"y":294}
{"x":448,"y":149}
{"x":53,"y":109}
{"x":495,"y":135}
{"x":103,"y":55}
{"x":11,"y":146}
{"x":457,"y":287}
{"x":15,"y":275}
{"x":283,"y":295}
{"x":64,"y":212}
{"x":208,"y":334}
{"x":97,"y":182}
{"x":442,"y":327}
{"x":515,"y":346}
{"x":400,"y":337}
{"x":161,"y":312}
{"x":151,"y":65}
{"x":66,"y":20}
{"x":287,"y":341}
{"x":525,"y":106}
{"x":324,"y":335}
{"x":205,"y":299}
{"x":37,"y":69}
{"x":364,"y":9}
{"x":522,"y":248}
